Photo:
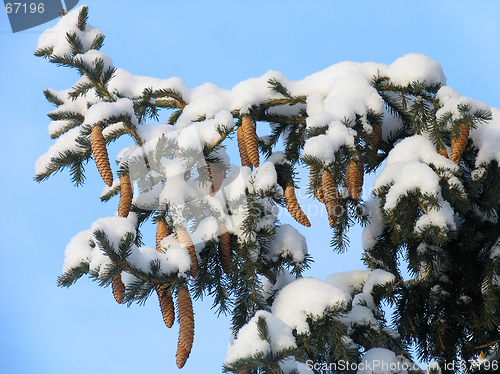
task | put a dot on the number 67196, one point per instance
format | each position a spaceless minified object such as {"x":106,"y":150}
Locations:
{"x":24,"y":8}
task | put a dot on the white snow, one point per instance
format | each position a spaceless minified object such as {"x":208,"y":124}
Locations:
{"x":407,"y":170}
{"x":102,"y":111}
{"x":288,"y":241}
{"x":78,"y":250}
{"x":115,"y":228}
{"x":66,"y":142}
{"x":56,"y":36}
{"x":263,"y":178}
{"x":376,"y":226}
{"x":381,"y":361}
{"x":349,"y":281}
{"x":248,"y":342}
{"x":306,"y":297}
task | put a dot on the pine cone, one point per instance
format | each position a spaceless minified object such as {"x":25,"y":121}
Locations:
{"x":442,"y":152}
{"x":166,"y":305}
{"x":458,"y":144}
{"x":118,"y":288}
{"x":375,"y":140}
{"x":245,"y":161}
{"x":354,"y":176}
{"x":186,"y":326}
{"x":183,"y":237}
{"x":318,"y":190}
{"x":294,"y":208}
{"x":126,"y":194}
{"x":225,"y":252}
{"x":331,"y":197}
{"x":181,"y":356}
{"x":98,"y":145}
{"x":161,"y":232}
{"x":250,"y":138}
{"x":217,"y":176}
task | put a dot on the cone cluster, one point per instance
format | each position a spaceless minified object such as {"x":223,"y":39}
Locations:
{"x":126,"y":194}
{"x":354,"y":176}
{"x":331,"y":197}
{"x":98,"y":145}
{"x":294,"y":208}
{"x":183,"y":237}
{"x":166,"y":305}
{"x":186,"y":326}
{"x":161,"y":232}
{"x":225,"y":252}
{"x":459,"y":143}
{"x":118,"y":288}
{"x":247,"y":143}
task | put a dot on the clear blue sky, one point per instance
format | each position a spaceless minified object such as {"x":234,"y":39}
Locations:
{"x":46,"y":329}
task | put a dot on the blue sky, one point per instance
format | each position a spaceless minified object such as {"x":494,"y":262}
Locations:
{"x":46,"y":329}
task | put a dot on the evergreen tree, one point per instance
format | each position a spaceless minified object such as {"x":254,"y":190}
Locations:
{"x":434,"y":209}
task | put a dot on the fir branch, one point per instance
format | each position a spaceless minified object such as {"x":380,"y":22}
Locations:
{"x":44,"y":52}
{"x":69,"y":277}
{"x":75,"y":43}
{"x":52,"y":97}
{"x":98,"y":42}
{"x":82,"y":18}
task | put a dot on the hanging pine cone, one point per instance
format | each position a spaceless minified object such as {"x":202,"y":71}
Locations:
{"x":126,"y":194}
{"x":354,"y":176}
{"x":375,"y":140}
{"x":459,"y":143}
{"x":250,"y":138}
{"x":331,"y":197}
{"x":118,"y":288}
{"x":98,"y":145}
{"x":245,"y":161}
{"x":318,"y":190}
{"x":186,"y":326}
{"x":442,"y":152}
{"x":217,"y":174}
{"x":166,"y":305}
{"x":225,"y":252}
{"x":161,"y":232}
{"x":181,"y":355}
{"x":293,"y":206}
{"x":183,"y":237}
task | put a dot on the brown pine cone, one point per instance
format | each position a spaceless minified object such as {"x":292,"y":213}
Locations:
{"x":126,"y":194}
{"x":318,"y":190}
{"x":181,"y":355}
{"x":118,"y":288}
{"x":375,"y":140}
{"x":354,"y":176}
{"x":217,"y":175}
{"x":166,"y":305}
{"x":293,"y":206}
{"x":183,"y":237}
{"x":186,"y":324}
{"x":225,"y":252}
{"x":245,"y":161}
{"x":458,"y":144}
{"x":98,"y":145}
{"x":331,"y":197}
{"x":161,"y":232}
{"x":442,"y":152}
{"x":250,"y":138}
